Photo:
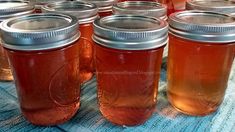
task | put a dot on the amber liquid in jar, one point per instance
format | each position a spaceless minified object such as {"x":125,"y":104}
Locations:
{"x":86,"y":54}
{"x":173,"y":5}
{"x":127,"y":83}
{"x":47,"y":83}
{"x":197,"y":83}
{"x":105,"y":13}
{"x":38,"y":11}
{"x":5,"y":70}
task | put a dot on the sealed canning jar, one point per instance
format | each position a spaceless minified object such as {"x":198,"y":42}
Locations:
{"x":40,"y":3}
{"x":10,"y":9}
{"x":43,"y":54}
{"x":128,"y":59}
{"x":145,"y":8}
{"x":86,"y":14}
{"x":105,"y":6}
{"x":201,"y":52}
{"x":221,"y":6}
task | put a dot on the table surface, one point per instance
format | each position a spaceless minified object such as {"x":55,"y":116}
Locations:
{"x":89,"y":118}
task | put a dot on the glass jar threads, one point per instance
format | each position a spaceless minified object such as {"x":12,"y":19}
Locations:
{"x":10,"y":9}
{"x":105,"y":6}
{"x":128,"y":59}
{"x":201,"y":52}
{"x":221,"y":6}
{"x":86,"y":14}
{"x":43,"y":53}
{"x":145,"y":8}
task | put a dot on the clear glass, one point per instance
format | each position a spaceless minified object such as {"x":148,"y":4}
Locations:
{"x":198,"y":74}
{"x":87,"y":67}
{"x":127,"y":83}
{"x":47,"y":83}
{"x":5,"y":70}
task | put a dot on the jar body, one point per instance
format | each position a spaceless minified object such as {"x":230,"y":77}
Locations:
{"x":47,"y":83}
{"x":198,"y":74}
{"x":5,"y":70}
{"x":127,"y":83}
{"x":86,"y":54}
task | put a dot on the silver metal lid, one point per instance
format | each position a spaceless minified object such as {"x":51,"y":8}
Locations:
{"x":85,"y":12}
{"x":13,"y":8}
{"x":103,"y":5}
{"x":203,"y":26}
{"x":130,"y":32}
{"x":39,"y":31}
{"x":221,"y":6}
{"x":145,"y":8}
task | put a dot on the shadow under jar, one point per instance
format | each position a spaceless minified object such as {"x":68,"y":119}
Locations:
{"x":86,"y":13}
{"x":105,"y":6}
{"x":128,"y":59}
{"x":43,"y":54}
{"x":9,"y":9}
{"x":201,"y":52}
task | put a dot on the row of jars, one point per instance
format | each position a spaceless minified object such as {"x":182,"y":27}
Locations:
{"x":51,"y":54}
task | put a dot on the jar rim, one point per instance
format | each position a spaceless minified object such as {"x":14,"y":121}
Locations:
{"x":148,"y":8}
{"x":15,"y":8}
{"x":101,"y":3}
{"x":221,"y":6}
{"x":203,"y":26}
{"x":130,"y":32}
{"x":85,"y":12}
{"x":39,"y":31}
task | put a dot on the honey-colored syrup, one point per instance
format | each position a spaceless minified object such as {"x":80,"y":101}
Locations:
{"x":197,"y":75}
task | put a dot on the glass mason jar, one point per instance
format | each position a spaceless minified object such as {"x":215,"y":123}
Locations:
{"x":10,"y":9}
{"x":43,"y":54}
{"x":40,"y":3}
{"x":201,"y":52}
{"x":105,"y":6}
{"x":221,"y":6}
{"x":128,"y":59}
{"x":86,"y":13}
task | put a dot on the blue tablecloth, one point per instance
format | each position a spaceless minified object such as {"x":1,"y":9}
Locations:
{"x":88,"y":118}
